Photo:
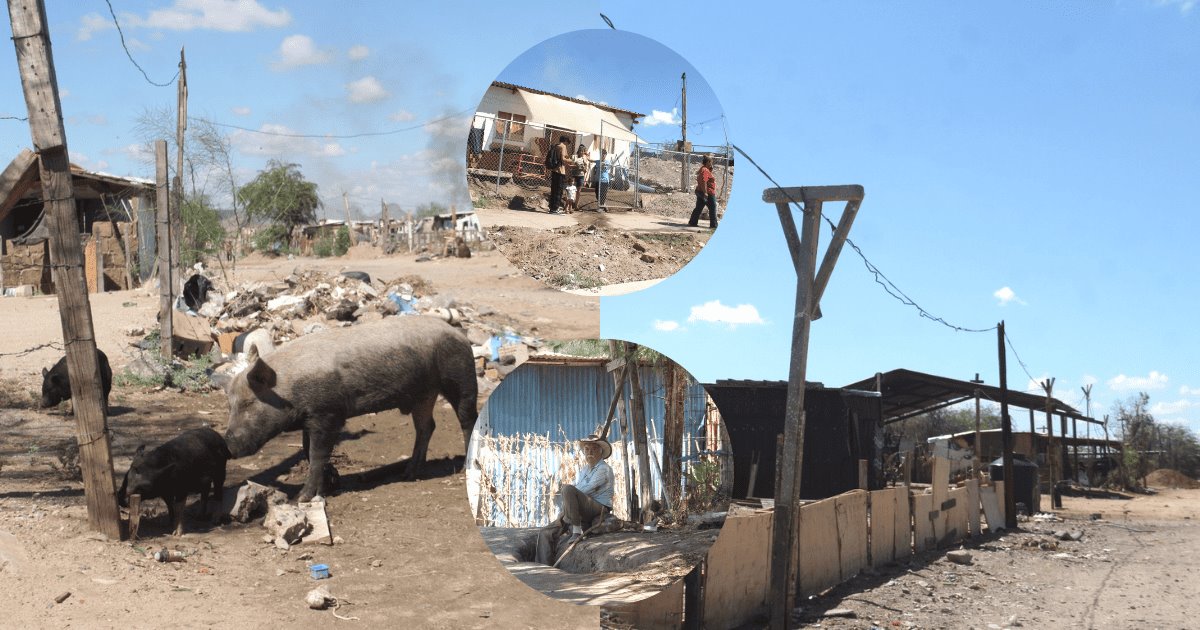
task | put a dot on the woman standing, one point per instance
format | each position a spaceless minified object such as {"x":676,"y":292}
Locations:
{"x":706,"y":194}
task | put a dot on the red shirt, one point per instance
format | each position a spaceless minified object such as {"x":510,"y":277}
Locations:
{"x":705,"y":181}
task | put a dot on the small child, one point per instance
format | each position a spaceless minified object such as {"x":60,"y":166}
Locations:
{"x":569,"y":195}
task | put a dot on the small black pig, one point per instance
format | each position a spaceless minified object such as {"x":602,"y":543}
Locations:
{"x":193,"y":462}
{"x":56,"y":382}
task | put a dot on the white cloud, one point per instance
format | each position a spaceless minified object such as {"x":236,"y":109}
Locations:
{"x":1184,"y":390}
{"x":402,"y":116}
{"x":1184,"y":5}
{"x":1172,"y":408}
{"x":298,"y":50}
{"x":279,"y":145}
{"x":217,"y":15}
{"x":1122,"y":383}
{"x":718,"y":313}
{"x":658,"y":117}
{"x":358,"y":52}
{"x":92,"y":23}
{"x":366,"y":90}
{"x":1006,"y":295}
{"x":667,"y":325}
{"x":240,"y":111}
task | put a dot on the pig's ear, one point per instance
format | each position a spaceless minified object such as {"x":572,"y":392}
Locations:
{"x":260,"y":376}
{"x":251,"y":354}
{"x":140,"y":449}
{"x":45,"y":372}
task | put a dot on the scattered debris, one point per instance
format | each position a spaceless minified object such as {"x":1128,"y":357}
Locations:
{"x":959,"y":557}
{"x":319,"y":598}
{"x":62,"y":598}
{"x":840,"y":612}
{"x":286,"y":523}
{"x":319,"y":571}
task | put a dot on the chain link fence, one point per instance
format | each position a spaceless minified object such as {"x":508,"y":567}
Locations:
{"x":504,"y":152}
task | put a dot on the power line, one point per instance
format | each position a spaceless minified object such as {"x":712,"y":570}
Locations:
{"x":365,"y":134}
{"x":1008,"y":340}
{"x":130,"y":55}
{"x":880,"y":278}
{"x":21,"y":118}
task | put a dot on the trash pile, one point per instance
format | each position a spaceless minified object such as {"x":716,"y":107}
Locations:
{"x":311,"y":300}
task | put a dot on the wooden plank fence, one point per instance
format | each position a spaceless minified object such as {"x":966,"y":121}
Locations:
{"x":838,"y":538}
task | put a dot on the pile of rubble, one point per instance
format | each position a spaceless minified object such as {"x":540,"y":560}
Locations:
{"x":310,"y":300}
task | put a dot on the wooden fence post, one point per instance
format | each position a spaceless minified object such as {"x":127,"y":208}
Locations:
{"x":31,"y":37}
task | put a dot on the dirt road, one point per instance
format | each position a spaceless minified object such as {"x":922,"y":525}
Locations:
{"x":1138,"y":566}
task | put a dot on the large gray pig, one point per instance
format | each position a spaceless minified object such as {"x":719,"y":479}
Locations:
{"x":317,"y":382}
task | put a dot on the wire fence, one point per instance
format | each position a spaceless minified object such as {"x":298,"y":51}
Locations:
{"x":611,"y":168}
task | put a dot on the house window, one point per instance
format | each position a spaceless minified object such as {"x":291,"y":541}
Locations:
{"x":516,"y":128}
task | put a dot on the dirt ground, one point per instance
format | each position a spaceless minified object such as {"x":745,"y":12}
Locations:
{"x":408,"y":553}
{"x":593,"y":255}
{"x":1137,"y":566}
{"x":587,"y":249}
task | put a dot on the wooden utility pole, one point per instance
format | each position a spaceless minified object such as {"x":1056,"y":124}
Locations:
{"x":346,"y":206}
{"x":685,"y":159}
{"x":180,"y":129}
{"x":384,"y":228}
{"x":637,"y":422}
{"x":1010,"y":497}
{"x":1048,"y":385}
{"x":35,"y":61}
{"x":1087,"y":426}
{"x":166,"y":272}
{"x":810,"y":285}
{"x":676,"y":398}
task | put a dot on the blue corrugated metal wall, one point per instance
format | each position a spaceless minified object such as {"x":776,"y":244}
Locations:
{"x":568,"y":402}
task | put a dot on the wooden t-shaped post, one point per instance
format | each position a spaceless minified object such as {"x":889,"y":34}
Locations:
{"x":810,"y":285}
{"x":31,"y":36}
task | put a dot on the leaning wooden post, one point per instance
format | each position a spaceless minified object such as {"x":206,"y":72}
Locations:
{"x":31,"y":36}
{"x":637,"y":422}
{"x":176,"y":206}
{"x":166,"y":272}
{"x":810,"y":284}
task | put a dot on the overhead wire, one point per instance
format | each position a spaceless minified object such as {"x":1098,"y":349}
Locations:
{"x":880,"y":278}
{"x":335,"y":136}
{"x":121,"y":33}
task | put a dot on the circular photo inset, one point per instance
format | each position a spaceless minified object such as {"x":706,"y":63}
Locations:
{"x":598,"y":162}
{"x":599,"y":472}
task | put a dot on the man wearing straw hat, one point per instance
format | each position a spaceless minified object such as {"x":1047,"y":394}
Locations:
{"x":583,"y":502}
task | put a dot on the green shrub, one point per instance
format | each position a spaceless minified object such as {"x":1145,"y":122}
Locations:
{"x":341,"y":243}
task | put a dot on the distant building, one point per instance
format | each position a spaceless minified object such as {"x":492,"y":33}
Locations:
{"x":113,"y":213}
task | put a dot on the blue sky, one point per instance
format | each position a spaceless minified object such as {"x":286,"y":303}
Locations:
{"x":1034,"y":163}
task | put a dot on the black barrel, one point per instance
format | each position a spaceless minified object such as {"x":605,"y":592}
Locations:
{"x":1025,"y":480}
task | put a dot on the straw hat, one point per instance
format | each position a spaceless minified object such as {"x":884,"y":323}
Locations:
{"x":605,"y":447}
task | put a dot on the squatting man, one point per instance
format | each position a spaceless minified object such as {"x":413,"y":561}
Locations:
{"x":584,"y":503}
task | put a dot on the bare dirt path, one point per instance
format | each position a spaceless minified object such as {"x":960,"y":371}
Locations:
{"x":1138,"y":566}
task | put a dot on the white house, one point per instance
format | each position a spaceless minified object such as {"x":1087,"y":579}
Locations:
{"x":534,"y":116}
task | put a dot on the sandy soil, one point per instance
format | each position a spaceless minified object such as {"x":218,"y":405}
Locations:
{"x":585,"y":249}
{"x":1138,"y":566}
{"x":410,"y":554}
{"x":484,"y":280}
{"x":582,"y":257}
